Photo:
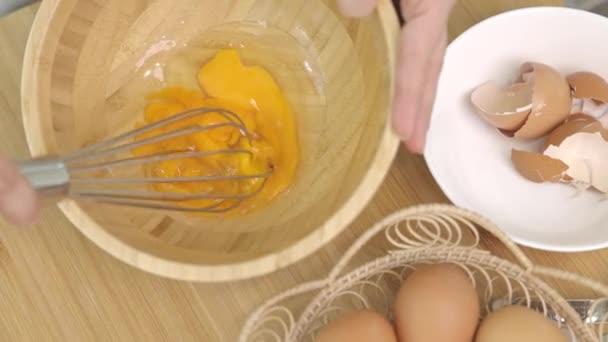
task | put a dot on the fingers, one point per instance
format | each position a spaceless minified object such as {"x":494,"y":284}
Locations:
{"x":18,"y":201}
{"x":418,"y":138}
{"x":357,"y":8}
{"x":421,"y":51}
{"x":410,"y":74}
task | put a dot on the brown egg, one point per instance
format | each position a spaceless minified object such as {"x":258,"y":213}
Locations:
{"x":437,"y":303}
{"x":531,"y":107}
{"x":537,"y":167}
{"x":358,"y":326}
{"x":518,"y":324}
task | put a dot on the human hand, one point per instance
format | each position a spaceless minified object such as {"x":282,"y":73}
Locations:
{"x":18,"y":200}
{"x":422,"y":48}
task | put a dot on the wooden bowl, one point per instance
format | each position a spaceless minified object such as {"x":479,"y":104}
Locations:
{"x":84,"y":57}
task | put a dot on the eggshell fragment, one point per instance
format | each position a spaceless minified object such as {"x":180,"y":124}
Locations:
{"x":576,"y":123}
{"x":530,"y":108}
{"x":437,"y":303}
{"x":358,"y":326}
{"x":537,"y":167}
{"x":576,"y":151}
{"x":551,"y":100}
{"x":586,"y":155}
{"x":588,"y":85}
{"x":518,"y":324}
{"x":590,"y":95}
{"x":505,"y":108}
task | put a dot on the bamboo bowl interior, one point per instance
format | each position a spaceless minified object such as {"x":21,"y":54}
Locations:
{"x":85,"y":82}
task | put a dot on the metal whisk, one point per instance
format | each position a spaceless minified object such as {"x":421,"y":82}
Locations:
{"x":64,"y":176}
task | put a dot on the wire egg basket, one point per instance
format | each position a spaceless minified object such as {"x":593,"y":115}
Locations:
{"x":425,"y":235}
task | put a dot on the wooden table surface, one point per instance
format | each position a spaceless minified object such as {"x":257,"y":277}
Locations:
{"x":57,"y":286}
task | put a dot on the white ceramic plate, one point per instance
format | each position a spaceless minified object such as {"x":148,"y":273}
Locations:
{"x":471,"y":161}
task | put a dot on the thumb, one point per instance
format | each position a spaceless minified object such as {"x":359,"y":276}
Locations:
{"x":18,"y":200}
{"x":357,"y":8}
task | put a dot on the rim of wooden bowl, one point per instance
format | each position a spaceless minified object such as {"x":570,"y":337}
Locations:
{"x":32,"y":90}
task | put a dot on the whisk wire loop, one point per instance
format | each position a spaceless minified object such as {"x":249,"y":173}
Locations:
{"x":107,"y":156}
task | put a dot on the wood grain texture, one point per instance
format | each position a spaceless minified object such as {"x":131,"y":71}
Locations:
{"x":55,"y":285}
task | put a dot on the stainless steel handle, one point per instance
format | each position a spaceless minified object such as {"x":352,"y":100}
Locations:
{"x":8,"y":6}
{"x":49,"y":176}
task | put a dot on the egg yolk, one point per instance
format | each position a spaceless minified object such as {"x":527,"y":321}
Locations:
{"x":252,"y":94}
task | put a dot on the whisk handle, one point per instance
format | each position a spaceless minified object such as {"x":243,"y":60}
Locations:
{"x":8,"y":6}
{"x":48,"y":176}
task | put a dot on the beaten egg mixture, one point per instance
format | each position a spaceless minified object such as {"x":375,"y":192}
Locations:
{"x":251,"y":93}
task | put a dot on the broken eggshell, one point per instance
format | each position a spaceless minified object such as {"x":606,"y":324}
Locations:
{"x":577,"y":152}
{"x":538,"y":167}
{"x":586,"y":155}
{"x":588,"y":85}
{"x":589,"y":95}
{"x":575,"y":123}
{"x":505,"y":108}
{"x":531,"y":107}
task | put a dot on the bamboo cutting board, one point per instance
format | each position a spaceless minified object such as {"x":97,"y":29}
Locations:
{"x":57,"y":286}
